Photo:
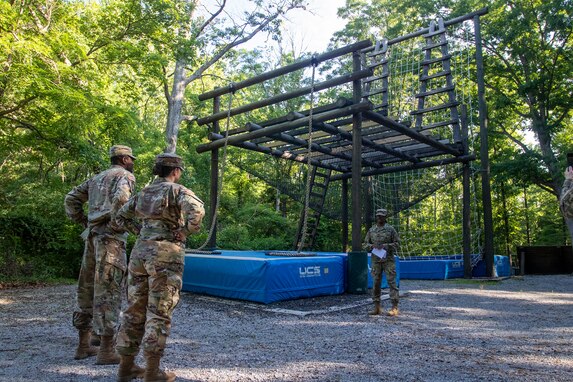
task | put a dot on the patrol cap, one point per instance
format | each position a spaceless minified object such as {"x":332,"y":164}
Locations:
{"x":381,"y":212}
{"x":120,"y":150}
{"x":169,"y":160}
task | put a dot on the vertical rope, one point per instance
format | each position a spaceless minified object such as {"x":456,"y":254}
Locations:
{"x":308,"y":161}
{"x":222,"y":170}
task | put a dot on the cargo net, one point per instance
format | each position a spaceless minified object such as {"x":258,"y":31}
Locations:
{"x":425,"y":207}
{"x":401,"y":76}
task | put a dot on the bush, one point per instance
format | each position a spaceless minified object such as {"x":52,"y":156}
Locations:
{"x":40,"y":247}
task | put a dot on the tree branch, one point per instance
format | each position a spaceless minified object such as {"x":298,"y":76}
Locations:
{"x":238,"y":41}
{"x":20,"y":105}
{"x":210,"y":20}
{"x":165,"y":84}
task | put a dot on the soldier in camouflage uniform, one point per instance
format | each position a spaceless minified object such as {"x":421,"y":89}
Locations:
{"x":168,"y":213}
{"x":104,"y":262}
{"x":383,"y":236}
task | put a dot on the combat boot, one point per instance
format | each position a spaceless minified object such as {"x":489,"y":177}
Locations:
{"x":95,"y":340}
{"x":393,"y":312}
{"x":107,"y":354}
{"x":153,"y":373}
{"x":128,"y":370}
{"x":84,"y":349}
{"x":377,"y":310}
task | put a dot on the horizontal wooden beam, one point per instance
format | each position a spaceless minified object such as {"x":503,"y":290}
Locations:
{"x":286,"y":96}
{"x":412,"y":133}
{"x":366,"y":142}
{"x":413,"y":166}
{"x":285,"y":126}
{"x":286,"y":69}
{"x":423,"y":31}
{"x":279,"y":153}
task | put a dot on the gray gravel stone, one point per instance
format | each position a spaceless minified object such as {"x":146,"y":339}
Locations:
{"x":454,"y":330}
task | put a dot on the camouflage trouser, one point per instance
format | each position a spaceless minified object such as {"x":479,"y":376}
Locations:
{"x":389,"y":267}
{"x":153,"y":293}
{"x":99,"y":285}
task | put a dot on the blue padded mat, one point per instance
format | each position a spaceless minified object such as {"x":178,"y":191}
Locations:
{"x":254,"y":276}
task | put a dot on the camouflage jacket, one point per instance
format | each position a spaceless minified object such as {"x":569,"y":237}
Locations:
{"x":162,"y":208}
{"x":382,"y":235}
{"x":105,"y":194}
{"x":566,"y":199}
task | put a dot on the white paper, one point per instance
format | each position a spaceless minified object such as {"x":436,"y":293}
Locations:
{"x":381,"y":253}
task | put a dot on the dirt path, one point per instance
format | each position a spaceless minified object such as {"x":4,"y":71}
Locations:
{"x":516,"y":329}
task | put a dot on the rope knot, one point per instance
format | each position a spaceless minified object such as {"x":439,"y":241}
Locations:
{"x":314,"y":60}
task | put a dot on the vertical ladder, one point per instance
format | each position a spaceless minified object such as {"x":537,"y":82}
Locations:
{"x":436,"y":39}
{"x":320,"y":178}
{"x":377,"y":60}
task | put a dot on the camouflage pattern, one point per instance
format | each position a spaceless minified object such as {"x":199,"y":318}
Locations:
{"x":385,"y":236}
{"x":120,"y":150}
{"x":566,"y":199}
{"x":104,"y":261}
{"x":168,"y":213}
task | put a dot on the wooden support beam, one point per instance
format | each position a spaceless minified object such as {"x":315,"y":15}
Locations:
{"x":390,"y":123}
{"x":286,"y":96}
{"x":365,"y":141}
{"x":278,"y":153}
{"x":314,"y":146}
{"x":282,"y":127}
{"x":390,"y":169}
{"x":286,"y":69}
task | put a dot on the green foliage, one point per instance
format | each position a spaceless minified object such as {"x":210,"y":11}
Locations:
{"x":32,"y":245}
{"x":255,"y":226}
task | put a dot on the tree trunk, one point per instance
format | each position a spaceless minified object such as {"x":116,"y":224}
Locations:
{"x":175,"y":107}
{"x":542,"y":131}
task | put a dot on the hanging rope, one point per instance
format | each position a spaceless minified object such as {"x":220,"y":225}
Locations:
{"x":308,"y":160}
{"x":222,"y":171}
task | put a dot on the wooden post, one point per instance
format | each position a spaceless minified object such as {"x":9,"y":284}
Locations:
{"x":356,"y":160}
{"x":214,"y":189}
{"x":484,"y":155}
{"x":344,"y":215}
{"x":466,"y":200}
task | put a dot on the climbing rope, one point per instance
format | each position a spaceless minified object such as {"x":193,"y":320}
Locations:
{"x":222,"y":171}
{"x":314,"y":62}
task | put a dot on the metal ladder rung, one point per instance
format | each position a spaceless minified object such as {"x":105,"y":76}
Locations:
{"x":435,"y":91}
{"x":435,"y":108}
{"x":436,"y":75}
{"x":434,"y":60}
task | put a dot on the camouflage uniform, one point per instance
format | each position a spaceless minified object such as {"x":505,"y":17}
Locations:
{"x":104,"y":260}
{"x":168,"y":213}
{"x":378,"y":235}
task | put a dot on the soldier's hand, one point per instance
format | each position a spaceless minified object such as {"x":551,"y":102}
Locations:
{"x":569,"y":173}
{"x":178,"y":235}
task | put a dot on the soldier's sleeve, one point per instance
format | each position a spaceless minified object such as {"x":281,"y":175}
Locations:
{"x":567,"y":185}
{"x":193,"y":212}
{"x":125,"y":217}
{"x":74,"y":202}
{"x":394,"y":240}
{"x":124,"y":189}
{"x":367,"y":245}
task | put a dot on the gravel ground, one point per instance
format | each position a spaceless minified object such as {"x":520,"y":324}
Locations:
{"x":455,"y":330}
